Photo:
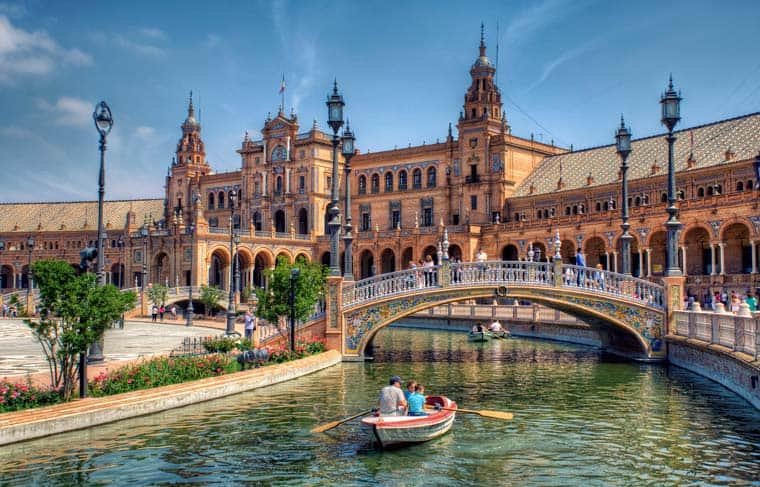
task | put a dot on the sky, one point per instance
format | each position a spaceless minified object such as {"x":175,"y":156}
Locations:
{"x":567,"y":69}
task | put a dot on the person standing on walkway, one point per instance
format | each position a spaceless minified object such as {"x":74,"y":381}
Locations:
{"x":250,"y":324}
{"x":154,"y":313}
{"x":161,"y":312}
{"x":751,"y":301}
{"x":174,"y":312}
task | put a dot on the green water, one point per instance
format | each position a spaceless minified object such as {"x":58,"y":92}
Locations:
{"x":580,"y":419}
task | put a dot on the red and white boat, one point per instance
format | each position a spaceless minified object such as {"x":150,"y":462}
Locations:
{"x":399,"y":430}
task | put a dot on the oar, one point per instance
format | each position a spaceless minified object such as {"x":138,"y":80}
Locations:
{"x":333,"y":424}
{"x":483,"y":412}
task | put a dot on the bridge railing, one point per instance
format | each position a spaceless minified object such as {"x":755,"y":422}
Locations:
{"x":613,"y":284}
{"x":739,"y":333}
{"x":496,"y":273}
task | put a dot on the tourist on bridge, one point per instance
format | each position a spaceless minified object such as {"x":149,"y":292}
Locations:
{"x":428,"y":270}
{"x":599,"y":276}
{"x":392,"y":402}
{"x":580,"y":261}
{"x":751,"y":302}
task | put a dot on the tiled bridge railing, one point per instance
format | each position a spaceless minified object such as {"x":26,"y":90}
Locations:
{"x":532,"y":313}
{"x":739,"y":333}
{"x":504,"y":273}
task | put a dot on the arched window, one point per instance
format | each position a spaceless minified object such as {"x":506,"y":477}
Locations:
{"x":517,"y":217}
{"x":645,"y":199}
{"x":431,"y":173}
{"x":375,"y":183}
{"x":700,"y":192}
{"x":637,"y":201}
{"x":221,"y":200}
{"x":664,"y":198}
{"x":278,"y":185}
{"x":417,"y":179}
{"x":567,"y":210}
{"x":552,"y":212}
{"x":279,"y":153}
{"x":388,"y":182}
{"x":575,"y":209}
{"x":362,"y":185}
{"x":680,"y":195}
{"x":402,"y":180}
{"x":749,"y":185}
{"x":211,"y":201}
{"x":257,"y":221}
{"x":538,"y":214}
{"x":231,"y":199}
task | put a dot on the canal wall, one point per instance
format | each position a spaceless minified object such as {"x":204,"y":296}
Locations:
{"x":40,"y":422}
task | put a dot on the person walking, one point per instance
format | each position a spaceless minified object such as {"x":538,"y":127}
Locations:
{"x":580,"y":261}
{"x":161,"y":312}
{"x":154,"y":313}
{"x":174,"y":312}
{"x":250,"y":324}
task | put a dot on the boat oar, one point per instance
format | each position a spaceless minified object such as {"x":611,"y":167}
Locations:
{"x":333,"y":424}
{"x":483,"y":412}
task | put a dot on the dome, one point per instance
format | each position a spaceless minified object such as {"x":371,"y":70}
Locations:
{"x":483,"y":61}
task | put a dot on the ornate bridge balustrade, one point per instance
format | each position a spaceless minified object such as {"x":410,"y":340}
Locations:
{"x":738,"y":333}
{"x":628,"y":312}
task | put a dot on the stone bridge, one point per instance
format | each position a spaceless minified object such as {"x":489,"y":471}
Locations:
{"x":628,"y":313}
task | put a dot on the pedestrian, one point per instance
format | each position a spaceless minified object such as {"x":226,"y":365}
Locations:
{"x":599,"y":276}
{"x":250,"y":324}
{"x":751,"y":301}
{"x":580,"y":261}
{"x":735,"y":302}
{"x":392,"y":402}
{"x":428,"y":270}
{"x":154,"y":313}
{"x":161,"y":312}
{"x":174,"y":312}
{"x":5,"y":310}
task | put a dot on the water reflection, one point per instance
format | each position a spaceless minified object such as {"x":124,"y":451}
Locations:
{"x":580,"y":420}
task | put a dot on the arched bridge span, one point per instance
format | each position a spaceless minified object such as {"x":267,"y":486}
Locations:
{"x":628,"y":312}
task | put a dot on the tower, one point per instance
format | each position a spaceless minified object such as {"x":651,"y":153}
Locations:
{"x":188,"y":164}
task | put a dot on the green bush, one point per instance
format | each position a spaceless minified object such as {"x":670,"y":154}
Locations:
{"x":220,"y":345}
{"x":15,"y":396}
{"x":161,"y":371}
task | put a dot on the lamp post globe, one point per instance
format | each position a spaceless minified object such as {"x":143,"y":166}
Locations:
{"x":623,"y":147}
{"x":347,"y":150}
{"x":335,"y":105}
{"x":670,"y":104}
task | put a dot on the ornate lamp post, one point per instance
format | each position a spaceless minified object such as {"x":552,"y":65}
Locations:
{"x":120,"y":245}
{"x":2,"y":283}
{"x":30,"y":246}
{"x":294,"y":273}
{"x":191,"y":231}
{"x":348,"y":152}
{"x":234,"y":240}
{"x":335,"y":120}
{"x":103,"y":123}
{"x":671,"y":114}
{"x":144,"y":233}
{"x":623,"y":145}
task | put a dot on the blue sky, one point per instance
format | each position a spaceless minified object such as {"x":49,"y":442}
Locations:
{"x":567,"y":68}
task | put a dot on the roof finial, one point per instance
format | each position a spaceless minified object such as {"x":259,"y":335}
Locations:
{"x":449,"y":130}
{"x":622,"y":122}
{"x":482,"y":40}
{"x":190,"y":109}
{"x":670,"y":81}
{"x":314,"y":126}
{"x":335,"y":86}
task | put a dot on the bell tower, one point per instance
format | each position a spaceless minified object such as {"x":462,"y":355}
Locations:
{"x":482,"y":102}
{"x":187,"y":166}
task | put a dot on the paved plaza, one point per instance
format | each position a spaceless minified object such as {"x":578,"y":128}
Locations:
{"x":20,"y":354}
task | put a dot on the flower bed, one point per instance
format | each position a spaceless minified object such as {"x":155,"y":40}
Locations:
{"x":15,"y":396}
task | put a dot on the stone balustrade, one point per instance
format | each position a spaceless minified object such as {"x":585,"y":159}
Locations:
{"x":740,"y":333}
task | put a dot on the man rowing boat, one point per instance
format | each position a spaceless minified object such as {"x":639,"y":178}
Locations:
{"x":392,"y":402}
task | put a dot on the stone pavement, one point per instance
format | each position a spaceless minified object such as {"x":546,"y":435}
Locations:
{"x":21,"y":355}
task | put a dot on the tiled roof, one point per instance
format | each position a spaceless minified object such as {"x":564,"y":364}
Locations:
{"x":741,"y":135}
{"x":76,"y":215}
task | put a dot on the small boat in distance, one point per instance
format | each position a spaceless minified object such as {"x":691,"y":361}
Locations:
{"x":501,"y":334}
{"x":479,"y":336}
{"x":401,"y":430}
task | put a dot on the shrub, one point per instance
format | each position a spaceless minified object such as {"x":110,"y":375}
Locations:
{"x":15,"y":396}
{"x":220,"y":345}
{"x":161,"y":371}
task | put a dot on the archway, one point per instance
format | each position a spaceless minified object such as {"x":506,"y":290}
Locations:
{"x":161,"y":268}
{"x":738,"y":253}
{"x":6,"y":277}
{"x":217,"y":273}
{"x":455,"y":253}
{"x":367,"y":264}
{"x":279,"y":221}
{"x":325,"y":259}
{"x":24,"y":277}
{"x":387,"y":261}
{"x":539,"y":252}
{"x":567,"y":251}
{"x":283,"y":255}
{"x":406,"y":257}
{"x":244,"y":265}
{"x":698,"y":258}
{"x":303,"y":221}
{"x":657,"y":252}
{"x":432,"y":252}
{"x":595,"y":253}
{"x":117,"y":275}
{"x":261,"y":262}
{"x":510,"y":252}
{"x":634,"y":255}
{"x":303,"y":258}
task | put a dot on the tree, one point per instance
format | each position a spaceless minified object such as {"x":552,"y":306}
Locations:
{"x":74,"y":313}
{"x":274,"y":302}
{"x":210,"y":297}
{"x":157,"y":293}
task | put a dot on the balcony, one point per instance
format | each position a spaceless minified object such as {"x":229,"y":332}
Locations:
{"x":473,"y":178}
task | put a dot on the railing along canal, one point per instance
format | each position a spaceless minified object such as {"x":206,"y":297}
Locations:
{"x":739,"y":333}
{"x":498,"y":273}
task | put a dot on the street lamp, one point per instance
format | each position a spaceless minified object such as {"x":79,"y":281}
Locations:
{"x":30,"y":246}
{"x":348,"y":152}
{"x":294,"y":272}
{"x":670,"y":103}
{"x":191,"y":232}
{"x":234,"y":240}
{"x":103,"y":123}
{"x":2,"y":248}
{"x":144,"y":233}
{"x":120,"y":245}
{"x":335,"y":121}
{"x":623,"y":145}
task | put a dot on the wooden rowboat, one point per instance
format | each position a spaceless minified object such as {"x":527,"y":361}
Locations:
{"x":401,"y":430}
{"x":501,"y":334}
{"x":479,"y":336}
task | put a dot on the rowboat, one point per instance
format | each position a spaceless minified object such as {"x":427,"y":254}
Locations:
{"x":401,"y":430}
{"x":479,"y":336}
{"x":500,"y":334}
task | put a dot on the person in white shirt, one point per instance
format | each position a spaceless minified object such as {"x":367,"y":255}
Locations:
{"x":495,"y":326}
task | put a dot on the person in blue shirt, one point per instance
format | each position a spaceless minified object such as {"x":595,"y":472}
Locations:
{"x":410,"y":385}
{"x":417,"y":401}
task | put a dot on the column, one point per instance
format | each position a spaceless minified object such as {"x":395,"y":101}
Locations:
{"x":287,"y":180}
{"x":263,"y":183}
{"x":712,"y":259}
{"x":614,"y":260}
{"x":683,"y":261}
{"x":649,"y":262}
{"x":753,"y":245}
{"x":641,"y":262}
{"x":722,"y":258}
{"x":607,"y":256}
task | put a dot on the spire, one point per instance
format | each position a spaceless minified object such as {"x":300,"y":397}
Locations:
{"x":482,"y":40}
{"x":190,"y":109}
{"x":450,"y":136}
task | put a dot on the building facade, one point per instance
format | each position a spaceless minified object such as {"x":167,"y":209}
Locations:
{"x":493,"y":191}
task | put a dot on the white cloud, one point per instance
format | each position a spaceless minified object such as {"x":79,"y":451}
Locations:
{"x":69,"y":111}
{"x":566,"y":56}
{"x":145,"y":132}
{"x":152,"y":33}
{"x":138,"y":47}
{"x":533,"y":18}
{"x":24,"y":53}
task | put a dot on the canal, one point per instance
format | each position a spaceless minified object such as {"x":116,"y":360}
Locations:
{"x":581,"y":418}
